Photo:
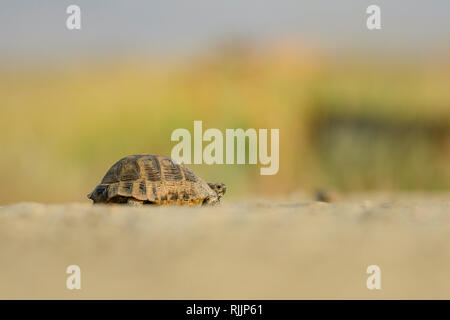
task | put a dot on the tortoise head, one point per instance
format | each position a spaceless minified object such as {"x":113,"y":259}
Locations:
{"x":100,"y":194}
{"x":218,"y":188}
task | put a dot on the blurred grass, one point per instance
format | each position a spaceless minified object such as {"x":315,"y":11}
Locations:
{"x":62,"y":128}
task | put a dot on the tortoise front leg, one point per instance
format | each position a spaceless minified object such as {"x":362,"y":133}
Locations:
{"x":134,"y":202}
{"x":211,"y":201}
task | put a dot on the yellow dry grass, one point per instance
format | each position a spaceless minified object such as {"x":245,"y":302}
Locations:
{"x":62,"y":128}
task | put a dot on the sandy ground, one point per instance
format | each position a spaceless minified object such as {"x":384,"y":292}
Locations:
{"x":257,"y":249}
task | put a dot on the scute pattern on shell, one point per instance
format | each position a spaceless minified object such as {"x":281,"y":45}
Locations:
{"x":156,"y":179}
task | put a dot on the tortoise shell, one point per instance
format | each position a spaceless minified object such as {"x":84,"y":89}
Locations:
{"x":152,"y":179}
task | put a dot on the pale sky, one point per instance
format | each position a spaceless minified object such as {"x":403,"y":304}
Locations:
{"x":31,"y":29}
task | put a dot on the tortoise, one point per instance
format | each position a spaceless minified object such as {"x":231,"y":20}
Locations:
{"x":152,"y":179}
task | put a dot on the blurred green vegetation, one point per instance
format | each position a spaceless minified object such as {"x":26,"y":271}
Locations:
{"x":344,"y":123}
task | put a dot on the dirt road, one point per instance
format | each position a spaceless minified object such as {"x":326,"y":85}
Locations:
{"x":248,"y":250}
